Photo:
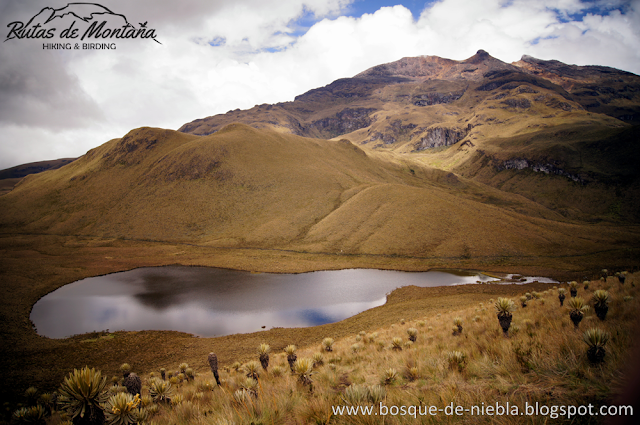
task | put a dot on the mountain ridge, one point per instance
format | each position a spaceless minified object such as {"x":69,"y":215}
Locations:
{"x":509,"y":165}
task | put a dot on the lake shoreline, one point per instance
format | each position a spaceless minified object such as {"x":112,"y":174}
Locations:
{"x":33,"y":266}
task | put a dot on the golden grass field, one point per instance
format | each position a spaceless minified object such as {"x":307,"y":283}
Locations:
{"x":544,"y":361}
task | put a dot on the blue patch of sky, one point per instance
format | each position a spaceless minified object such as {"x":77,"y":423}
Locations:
{"x":356,"y":9}
{"x":359,"y":7}
{"x":592,"y":7}
{"x":218,"y":41}
{"x":538,"y":39}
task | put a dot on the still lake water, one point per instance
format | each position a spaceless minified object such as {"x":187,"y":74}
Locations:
{"x":213,"y":302}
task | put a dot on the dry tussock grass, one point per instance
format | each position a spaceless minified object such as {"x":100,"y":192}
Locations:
{"x":542,"y":360}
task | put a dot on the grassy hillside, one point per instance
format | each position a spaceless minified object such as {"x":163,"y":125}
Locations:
{"x":243,"y":187}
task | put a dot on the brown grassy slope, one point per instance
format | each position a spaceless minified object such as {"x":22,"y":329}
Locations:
{"x":243,"y":187}
{"x":31,"y":266}
{"x":576,"y":119}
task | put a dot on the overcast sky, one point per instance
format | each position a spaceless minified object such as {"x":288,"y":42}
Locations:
{"x":221,"y":55}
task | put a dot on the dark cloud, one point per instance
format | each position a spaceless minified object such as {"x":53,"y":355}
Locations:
{"x":36,"y":89}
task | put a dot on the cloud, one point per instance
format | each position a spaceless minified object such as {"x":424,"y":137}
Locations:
{"x":217,"y":55}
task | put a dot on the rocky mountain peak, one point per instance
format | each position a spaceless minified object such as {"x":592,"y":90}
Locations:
{"x":434,"y":67}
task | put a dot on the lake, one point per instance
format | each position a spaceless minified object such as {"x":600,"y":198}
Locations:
{"x":214,"y":302}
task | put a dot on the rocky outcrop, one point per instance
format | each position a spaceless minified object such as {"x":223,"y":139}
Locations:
{"x":429,"y":99}
{"x":345,"y":121}
{"x":517,"y":102}
{"x":438,"y":137}
{"x":537,"y":167}
{"x":396,"y":130}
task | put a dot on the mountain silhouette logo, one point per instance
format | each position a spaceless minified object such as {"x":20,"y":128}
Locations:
{"x":92,"y":16}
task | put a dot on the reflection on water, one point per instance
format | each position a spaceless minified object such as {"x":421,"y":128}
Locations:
{"x":214,"y":302}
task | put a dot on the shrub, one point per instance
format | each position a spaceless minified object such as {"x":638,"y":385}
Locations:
{"x":396,"y":343}
{"x":327,"y":344}
{"x":456,"y":360}
{"x":601,"y":299}
{"x":120,"y":409}
{"x":596,"y":339}
{"x":263,"y":353}
{"x":577,"y":309}
{"x":389,"y":376}
{"x":161,"y":391}
{"x":304,"y":369}
{"x":504,"y":307}
{"x":252,"y":369}
{"x":81,"y":394}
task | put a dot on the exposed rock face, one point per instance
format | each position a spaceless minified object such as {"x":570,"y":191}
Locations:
{"x":438,"y":137}
{"x":345,"y":121}
{"x":429,"y":99}
{"x":597,"y":88}
{"x":393,"y":132}
{"x":519,"y":103}
{"x":539,"y":167}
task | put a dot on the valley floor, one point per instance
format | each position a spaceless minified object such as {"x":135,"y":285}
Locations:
{"x":32,"y":266}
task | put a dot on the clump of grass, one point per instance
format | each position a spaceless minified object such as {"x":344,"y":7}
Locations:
{"x":31,"y":394}
{"x":601,"y":299}
{"x":389,"y":376}
{"x":411,"y":373}
{"x":122,"y":409}
{"x":82,"y":392}
{"x":190,"y":374}
{"x":577,"y":309}
{"x":413,"y":334}
{"x":573,"y":288}
{"x":29,"y":415}
{"x":562,"y":295}
{"x":177,"y":399}
{"x":457,"y":360}
{"x":161,"y":391}
{"x":327,"y":344}
{"x":290,"y":351}
{"x":504,"y":307}
{"x":523,"y":301}
{"x":318,"y":359}
{"x":252,"y":369}
{"x":303,"y":368}
{"x":596,"y":339}
{"x":276,"y":371}
{"x":250,"y":385}
{"x":263,"y":354}
{"x":396,"y":344}
{"x":356,"y":394}
{"x":125,"y":368}
{"x":457,"y":323}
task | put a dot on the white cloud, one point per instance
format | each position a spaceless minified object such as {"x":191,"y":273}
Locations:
{"x":76,"y":100}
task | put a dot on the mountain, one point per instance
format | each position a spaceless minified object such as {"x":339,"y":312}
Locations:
{"x":487,"y":120}
{"x":23,"y":170}
{"x":11,"y":176}
{"x":424,"y":157}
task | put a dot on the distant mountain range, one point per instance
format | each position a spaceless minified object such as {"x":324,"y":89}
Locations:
{"x":425,"y":157}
